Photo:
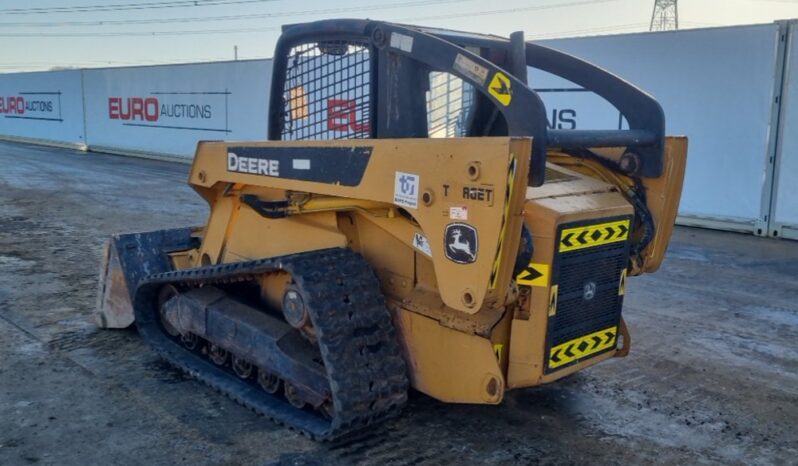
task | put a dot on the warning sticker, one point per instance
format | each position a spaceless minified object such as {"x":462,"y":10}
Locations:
{"x":458,"y":213}
{"x":534,"y":275}
{"x":420,"y":242}
{"x":501,"y":88}
{"x":405,"y":191}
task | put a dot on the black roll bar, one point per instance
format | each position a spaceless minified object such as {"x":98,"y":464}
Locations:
{"x":499,"y":73}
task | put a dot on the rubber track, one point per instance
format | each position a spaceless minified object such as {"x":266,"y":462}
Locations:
{"x":367,"y":374}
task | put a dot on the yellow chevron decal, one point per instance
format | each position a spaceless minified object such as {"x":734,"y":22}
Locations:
{"x":582,"y":347}
{"x":598,"y":234}
{"x":534,"y":275}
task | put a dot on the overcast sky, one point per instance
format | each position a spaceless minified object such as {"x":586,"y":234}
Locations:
{"x":34,"y":36}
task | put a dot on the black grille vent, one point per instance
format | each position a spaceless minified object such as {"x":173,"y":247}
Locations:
{"x":327,"y":92}
{"x":575,"y":270}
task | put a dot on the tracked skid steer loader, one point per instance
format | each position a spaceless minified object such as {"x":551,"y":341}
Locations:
{"x":412,"y":221}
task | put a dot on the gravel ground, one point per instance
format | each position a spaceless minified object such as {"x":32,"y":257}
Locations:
{"x":712,"y":377}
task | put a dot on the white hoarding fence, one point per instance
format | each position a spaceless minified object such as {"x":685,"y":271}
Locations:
{"x":716,"y":86}
{"x":42,"y":106}
{"x":166,"y":110}
{"x":785,"y":193}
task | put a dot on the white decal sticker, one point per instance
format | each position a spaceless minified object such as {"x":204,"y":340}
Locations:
{"x":252,"y":165}
{"x":405,"y":191}
{"x":402,"y":42}
{"x":420,"y":242}
{"x":458,"y":213}
{"x":470,"y":68}
{"x":301,"y":164}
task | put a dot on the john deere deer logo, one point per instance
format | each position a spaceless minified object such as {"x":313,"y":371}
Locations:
{"x":461,"y":243}
{"x":589,"y":291}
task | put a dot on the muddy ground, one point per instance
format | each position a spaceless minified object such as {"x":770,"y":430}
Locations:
{"x":712,"y":377}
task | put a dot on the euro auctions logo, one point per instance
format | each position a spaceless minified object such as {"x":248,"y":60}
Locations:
{"x":133,"y":108}
{"x":191,"y":111}
{"x":12,"y":105}
{"x":44,"y":106}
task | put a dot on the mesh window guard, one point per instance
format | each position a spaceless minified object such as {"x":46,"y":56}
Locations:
{"x":327,"y":91}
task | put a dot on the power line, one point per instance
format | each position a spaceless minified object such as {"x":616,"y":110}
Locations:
{"x":142,"y":33}
{"x":112,"y":61}
{"x":701,"y":24}
{"x":99,"y":63}
{"x":509,"y":10}
{"x":640,"y":27}
{"x":276,"y":28}
{"x":127,"y":6}
{"x":88,"y":64}
{"x":325,"y":11}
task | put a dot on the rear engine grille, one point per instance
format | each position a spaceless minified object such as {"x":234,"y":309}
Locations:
{"x":588,"y":301}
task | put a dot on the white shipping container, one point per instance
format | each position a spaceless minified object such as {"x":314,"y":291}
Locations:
{"x":785,"y":202}
{"x":716,"y":86}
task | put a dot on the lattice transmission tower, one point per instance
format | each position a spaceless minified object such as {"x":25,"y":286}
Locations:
{"x":665,"y":16}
